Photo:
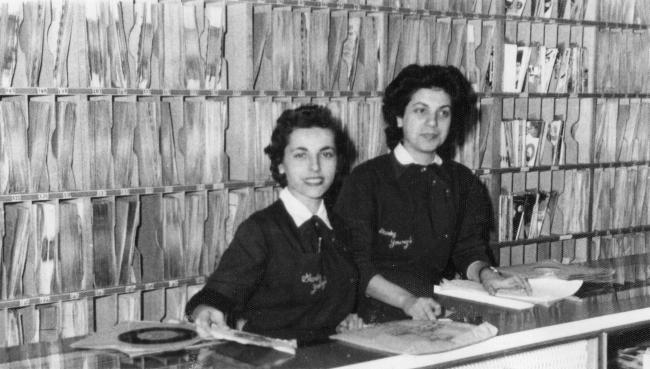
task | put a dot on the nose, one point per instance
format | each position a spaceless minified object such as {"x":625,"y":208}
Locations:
{"x":432,"y":120}
{"x":314,"y":163}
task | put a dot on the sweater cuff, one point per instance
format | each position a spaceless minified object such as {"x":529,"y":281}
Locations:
{"x":211,"y":298}
{"x":474,"y":270}
{"x":365,"y":275}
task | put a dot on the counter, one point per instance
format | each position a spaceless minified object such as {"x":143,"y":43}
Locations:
{"x":572,"y":333}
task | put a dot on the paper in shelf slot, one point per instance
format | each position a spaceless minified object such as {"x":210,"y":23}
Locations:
{"x":540,"y":68}
{"x":192,"y":141}
{"x":173,"y":219}
{"x":140,"y":44}
{"x":318,"y":38}
{"x":32,"y":42}
{"x":545,"y":291}
{"x":543,"y":9}
{"x":485,"y":55}
{"x":18,"y":221}
{"x":122,"y":132}
{"x":15,"y":175}
{"x":75,"y":231}
{"x":196,"y":214}
{"x":469,"y":60}
{"x":193,"y":67}
{"x":442,"y":40}
{"x":127,"y":220}
{"x":11,"y":18}
{"x":457,"y":43}
{"x":40,"y":124}
{"x":74,"y":318}
{"x":515,"y":7}
{"x":349,"y":54}
{"x":371,"y":55}
{"x":515,"y":67}
{"x":265,"y":118}
{"x":215,"y":65}
{"x":104,"y":253}
{"x":240,"y":206}
{"x":407,"y":52}
{"x":215,"y":231}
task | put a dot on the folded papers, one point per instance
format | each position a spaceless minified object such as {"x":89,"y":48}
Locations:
{"x":545,"y":291}
{"x":418,"y":337}
{"x":473,"y":291}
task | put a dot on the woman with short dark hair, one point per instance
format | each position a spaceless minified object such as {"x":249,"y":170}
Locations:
{"x":286,"y":274}
{"x":416,"y":216}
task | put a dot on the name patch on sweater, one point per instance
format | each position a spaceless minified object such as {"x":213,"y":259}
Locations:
{"x":394,"y":242}
{"x":317,"y":282}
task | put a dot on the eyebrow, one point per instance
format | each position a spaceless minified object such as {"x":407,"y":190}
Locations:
{"x":302,"y":148}
{"x":427,"y":105}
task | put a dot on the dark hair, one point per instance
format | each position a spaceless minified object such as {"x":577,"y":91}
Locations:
{"x":464,"y":112}
{"x":305,"y":116}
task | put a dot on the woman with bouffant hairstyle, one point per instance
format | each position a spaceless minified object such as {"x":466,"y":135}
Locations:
{"x":286,"y":273}
{"x":415,"y":215}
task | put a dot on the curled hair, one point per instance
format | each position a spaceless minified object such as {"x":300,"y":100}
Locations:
{"x":306,"y":116}
{"x":448,"y":78}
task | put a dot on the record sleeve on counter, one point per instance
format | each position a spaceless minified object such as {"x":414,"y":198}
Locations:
{"x":142,"y":338}
{"x":417,"y":337}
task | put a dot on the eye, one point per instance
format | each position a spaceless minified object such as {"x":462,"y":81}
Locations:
{"x":299,"y":155}
{"x":328,"y":154}
{"x":444,"y":113}
{"x":419,"y":110}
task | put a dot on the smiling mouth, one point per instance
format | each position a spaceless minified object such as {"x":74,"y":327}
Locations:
{"x":314,"y":181}
{"x":430,"y":136}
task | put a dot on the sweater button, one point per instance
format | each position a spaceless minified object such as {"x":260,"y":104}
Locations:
{"x":434,"y":182}
{"x":446,"y":236}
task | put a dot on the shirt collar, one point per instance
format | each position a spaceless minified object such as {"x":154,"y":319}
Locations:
{"x":404,"y":157}
{"x":299,"y":212}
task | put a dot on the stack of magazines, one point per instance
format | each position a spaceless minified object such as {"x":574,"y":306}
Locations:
{"x":531,"y":143}
{"x":525,"y":215}
{"x":636,"y":357}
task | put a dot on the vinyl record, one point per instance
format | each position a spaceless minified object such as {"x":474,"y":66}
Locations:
{"x":157,"y":335}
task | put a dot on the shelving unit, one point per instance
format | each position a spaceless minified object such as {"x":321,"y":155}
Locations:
{"x":173,"y":74}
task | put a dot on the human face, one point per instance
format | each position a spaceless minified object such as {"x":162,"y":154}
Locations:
{"x":425,"y":123}
{"x":309,"y":164}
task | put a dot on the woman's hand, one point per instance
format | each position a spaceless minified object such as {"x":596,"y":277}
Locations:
{"x":204,"y":316}
{"x":493,"y":281}
{"x":351,"y":322}
{"x":421,"y":308}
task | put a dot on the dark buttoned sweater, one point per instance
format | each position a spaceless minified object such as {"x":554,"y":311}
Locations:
{"x":283,"y":283}
{"x":413,"y":224}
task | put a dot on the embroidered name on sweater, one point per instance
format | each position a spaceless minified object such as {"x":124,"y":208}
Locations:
{"x":317,"y":282}
{"x":394,"y":242}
